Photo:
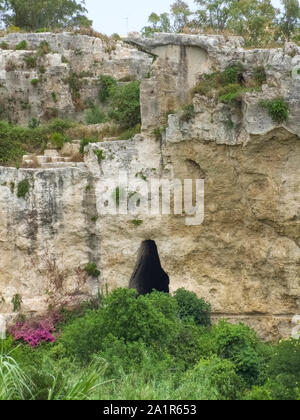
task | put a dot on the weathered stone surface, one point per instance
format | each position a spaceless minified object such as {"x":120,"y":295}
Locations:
{"x":44,"y":235}
{"x":181,"y":59}
{"x":86,"y":57}
{"x":244,"y":258}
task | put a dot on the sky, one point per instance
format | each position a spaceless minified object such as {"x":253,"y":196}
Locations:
{"x":110,"y":16}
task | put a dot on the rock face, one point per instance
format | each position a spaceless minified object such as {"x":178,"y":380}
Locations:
{"x":244,"y":258}
{"x":67,"y":73}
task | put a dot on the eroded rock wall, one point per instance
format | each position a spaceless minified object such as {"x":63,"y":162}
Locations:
{"x":46,"y":238}
{"x":244,"y":258}
{"x":67,"y":75}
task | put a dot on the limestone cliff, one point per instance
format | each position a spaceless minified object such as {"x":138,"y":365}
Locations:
{"x":67,"y":67}
{"x":244,"y":258}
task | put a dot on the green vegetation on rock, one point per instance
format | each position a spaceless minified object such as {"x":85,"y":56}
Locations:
{"x":16,"y":140}
{"x":229,"y":85}
{"x":277,"y":108}
{"x":23,"y":188}
{"x":130,"y":347}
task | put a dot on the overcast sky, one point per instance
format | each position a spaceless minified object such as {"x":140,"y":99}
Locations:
{"x":110,"y":16}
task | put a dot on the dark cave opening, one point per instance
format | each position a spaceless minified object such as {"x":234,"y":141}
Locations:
{"x":148,"y":273}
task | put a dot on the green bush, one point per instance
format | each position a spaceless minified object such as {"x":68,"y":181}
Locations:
{"x":35,"y":82}
{"x":240,"y":344}
{"x":126,"y":346}
{"x":22,"y":45}
{"x":151,"y":319}
{"x":125,"y":105}
{"x":23,"y":188}
{"x":107,"y":86}
{"x":190,"y":306}
{"x":57,"y":140}
{"x":126,"y":357}
{"x":213,"y":379}
{"x":92,"y":270}
{"x":277,"y":108}
{"x":231,"y":74}
{"x":95,"y":116}
{"x":284,"y":370}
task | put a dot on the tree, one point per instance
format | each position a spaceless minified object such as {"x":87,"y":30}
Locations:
{"x":213,"y":13}
{"x":252,"y":19}
{"x":180,"y":13}
{"x":36,"y":14}
{"x":290,"y":20}
{"x":175,"y":21}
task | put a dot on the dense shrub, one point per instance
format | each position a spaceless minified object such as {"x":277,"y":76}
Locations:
{"x":125,"y":105}
{"x":126,"y":346}
{"x":190,"y":306}
{"x":127,"y":316}
{"x":284,"y":371}
{"x":95,"y":116}
{"x":107,"y":86}
{"x":240,"y":344}
{"x":213,"y":379}
{"x":57,"y":140}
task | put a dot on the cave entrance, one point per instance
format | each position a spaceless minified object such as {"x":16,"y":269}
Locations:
{"x":148,"y":273}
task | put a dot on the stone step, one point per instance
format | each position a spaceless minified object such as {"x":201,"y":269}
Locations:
{"x":28,"y":163}
{"x":51,"y":153}
{"x":57,"y":159}
{"x":62,"y":165}
{"x":70,"y":149}
{"x":27,"y":157}
{"x":43,"y":159}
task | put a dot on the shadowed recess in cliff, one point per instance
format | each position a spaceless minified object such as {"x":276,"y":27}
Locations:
{"x":149,"y":274}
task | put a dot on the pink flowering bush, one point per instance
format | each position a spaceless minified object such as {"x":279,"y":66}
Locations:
{"x":34,"y":332}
